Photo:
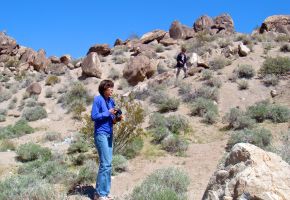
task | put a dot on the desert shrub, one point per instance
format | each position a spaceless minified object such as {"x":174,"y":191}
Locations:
{"x":270,"y":79}
{"x":233,"y":77}
{"x":119,"y":50}
{"x":243,"y":84}
{"x":170,"y":183}
{"x":34,"y":113}
{"x":177,"y":124}
{"x":278,"y":66}
{"x":282,"y":38}
{"x":159,"y":134}
{"x":62,"y":90}
{"x":208,"y":93}
{"x":76,"y":95}
{"x":120,"y":59}
{"x":30,"y":151}
{"x":5,"y":95}
{"x":278,"y":113}
{"x":285,"y":48}
{"x":259,"y":111}
{"x":77,"y":159}
{"x":245,"y":71}
{"x":77,"y":107}
{"x":157,"y":120}
{"x":20,"y":128}
{"x":158,"y":97}
{"x":2,"y":118}
{"x":52,"y":136}
{"x":206,"y":74}
{"x":214,"y":82}
{"x":87,"y":173}
{"x":78,"y":146}
{"x":201,"y":106}
{"x":189,"y":97}
{"x":169,"y":104}
{"x":125,"y":131}
{"x":27,"y":187}
{"x":48,"y":93}
{"x":12,"y":103}
{"x":210,"y":117}
{"x":114,"y":74}
{"x":284,"y":150}
{"x":159,"y":48}
{"x":52,"y":80}
{"x":3,"y":111}
{"x":119,"y":164}
{"x":6,"y":145}
{"x":4,"y":78}
{"x":161,"y":68}
{"x":174,"y":144}
{"x":184,"y":88}
{"x":218,"y":63}
{"x":133,"y":148}
{"x":259,"y":137}
{"x":237,"y":119}
{"x":223,"y":43}
{"x":123,"y":84}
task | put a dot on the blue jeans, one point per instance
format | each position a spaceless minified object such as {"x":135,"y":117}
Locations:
{"x":104,"y":145}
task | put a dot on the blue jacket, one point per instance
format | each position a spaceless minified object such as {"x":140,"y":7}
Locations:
{"x":101,"y":116}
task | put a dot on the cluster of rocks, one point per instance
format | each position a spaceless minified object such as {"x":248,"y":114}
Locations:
{"x":250,"y":173}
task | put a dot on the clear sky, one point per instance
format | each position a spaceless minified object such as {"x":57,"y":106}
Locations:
{"x":72,"y":26}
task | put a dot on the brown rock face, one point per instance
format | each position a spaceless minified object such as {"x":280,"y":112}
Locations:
{"x":37,"y":59}
{"x":250,"y":173}
{"x":65,"y":59}
{"x":100,"y":49}
{"x":34,"y":88}
{"x":224,"y":24}
{"x":203,"y":23}
{"x":167,"y":41}
{"x":7,"y":44}
{"x":139,"y":68}
{"x":151,"y":36}
{"x":176,"y":31}
{"x":276,"y":23}
{"x":91,"y":65}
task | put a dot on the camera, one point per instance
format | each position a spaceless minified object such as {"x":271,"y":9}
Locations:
{"x":118,"y":112}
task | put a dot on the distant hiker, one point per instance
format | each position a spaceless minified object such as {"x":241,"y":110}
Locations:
{"x":181,"y":62}
{"x":104,"y":114}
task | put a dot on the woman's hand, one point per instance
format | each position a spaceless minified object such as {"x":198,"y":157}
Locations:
{"x":112,"y":111}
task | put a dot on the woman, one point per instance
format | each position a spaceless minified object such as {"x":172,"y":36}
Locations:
{"x":103,"y":115}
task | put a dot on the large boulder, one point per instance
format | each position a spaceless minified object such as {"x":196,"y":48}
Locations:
{"x":151,"y":36}
{"x":100,"y":49}
{"x":139,"y":68}
{"x":7,"y":44}
{"x":276,"y":23}
{"x":243,"y":50}
{"x":36,"y":59}
{"x":65,"y":59}
{"x":167,"y":41}
{"x":180,"y":31}
{"x":91,"y":65}
{"x":224,"y":24}
{"x":34,"y":88}
{"x":250,"y":173}
{"x":203,"y":23}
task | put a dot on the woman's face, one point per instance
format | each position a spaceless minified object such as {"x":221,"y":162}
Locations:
{"x":108,"y":92}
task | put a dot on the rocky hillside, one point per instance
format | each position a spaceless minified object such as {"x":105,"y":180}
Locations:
{"x":237,"y":91}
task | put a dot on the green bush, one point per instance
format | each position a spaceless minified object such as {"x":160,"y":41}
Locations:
{"x":169,"y":104}
{"x":119,"y":164}
{"x":177,"y":124}
{"x":6,"y":145}
{"x":169,"y":184}
{"x":245,"y":71}
{"x":52,"y":136}
{"x":201,"y":106}
{"x":157,"y":120}
{"x":78,"y":146}
{"x":158,"y":97}
{"x":218,"y":63}
{"x":12,"y":103}
{"x":259,"y":137}
{"x":114,"y":74}
{"x":78,"y":159}
{"x":278,"y":66}
{"x":20,"y":128}
{"x":77,"y":93}
{"x":238,"y":119}
{"x":160,"y":133}
{"x":259,"y":111}
{"x":27,"y":187}
{"x":206,"y":74}
{"x":30,"y":151}
{"x":5,"y":95}
{"x":278,"y":113}
{"x":174,"y":144}
{"x":210,"y":117}
{"x":87,"y":173}
{"x":270,"y":79}
{"x":34,"y":113}
{"x":208,"y":93}
{"x":133,"y":148}
{"x":49,"y":93}
{"x":184,"y":88}
{"x":214,"y":82}
{"x":52,"y":80}
{"x":243,"y":84}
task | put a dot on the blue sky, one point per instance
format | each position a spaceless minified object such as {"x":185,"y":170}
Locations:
{"x":72,"y":26}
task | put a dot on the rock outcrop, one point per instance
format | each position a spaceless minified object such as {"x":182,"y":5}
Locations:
{"x":276,"y":23}
{"x":91,"y":65}
{"x":250,"y":173}
{"x":100,"y":49}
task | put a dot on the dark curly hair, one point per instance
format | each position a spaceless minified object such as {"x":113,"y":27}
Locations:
{"x":105,"y":84}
